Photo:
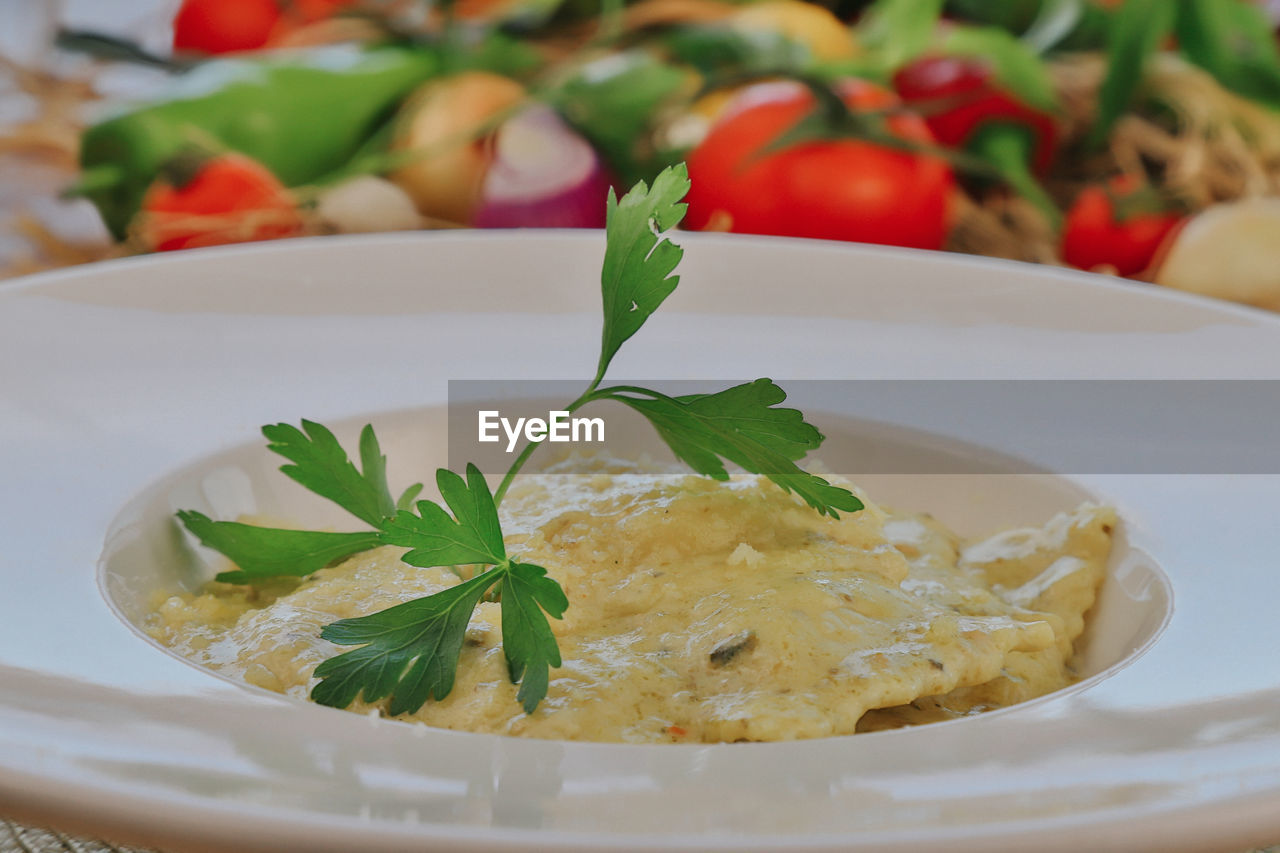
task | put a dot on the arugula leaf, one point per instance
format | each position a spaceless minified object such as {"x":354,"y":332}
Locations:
{"x":1137,"y":29}
{"x":321,"y":465}
{"x":411,"y":653}
{"x":638,"y":259}
{"x":527,"y":641}
{"x":741,"y":425}
{"x":264,"y":552}
{"x":436,"y":539}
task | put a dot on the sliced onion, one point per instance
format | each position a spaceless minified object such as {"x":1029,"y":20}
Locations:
{"x":543,"y":175}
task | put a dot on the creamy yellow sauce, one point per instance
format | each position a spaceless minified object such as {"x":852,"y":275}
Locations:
{"x":705,"y":611}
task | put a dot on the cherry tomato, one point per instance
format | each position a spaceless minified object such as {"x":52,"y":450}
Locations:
{"x":960,"y":95}
{"x":1096,"y":236}
{"x":224,"y":26}
{"x":230,"y":26}
{"x":227,"y":198}
{"x":837,"y":189}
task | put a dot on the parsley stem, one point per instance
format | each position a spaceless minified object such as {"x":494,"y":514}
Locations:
{"x":513,"y":470}
{"x":587,"y":396}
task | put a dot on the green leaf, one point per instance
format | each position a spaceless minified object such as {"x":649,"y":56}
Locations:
{"x":321,"y":465}
{"x":264,"y":552}
{"x":1016,"y":66}
{"x":1011,"y":15}
{"x":898,"y":31}
{"x":1234,"y":41}
{"x":638,"y":259}
{"x":1137,"y":29}
{"x":740,"y":425}
{"x":1055,"y":20}
{"x":411,"y":653}
{"x":499,"y":53}
{"x":472,"y":535}
{"x":406,"y":498}
{"x":720,"y":49}
{"x":527,"y":641}
{"x":613,"y":102}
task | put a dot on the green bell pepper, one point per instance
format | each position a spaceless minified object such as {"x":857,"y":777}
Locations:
{"x":300,"y":117}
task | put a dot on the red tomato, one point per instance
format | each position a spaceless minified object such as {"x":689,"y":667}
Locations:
{"x":960,"y":95}
{"x":839,"y":189}
{"x":224,"y":26}
{"x":229,"y":26}
{"x":1094,"y":236}
{"x":229,"y":198}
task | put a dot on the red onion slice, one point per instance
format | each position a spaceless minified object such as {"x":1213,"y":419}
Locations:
{"x":543,"y":175}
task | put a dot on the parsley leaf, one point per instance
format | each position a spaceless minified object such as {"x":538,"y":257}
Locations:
{"x":265,"y":552}
{"x":411,"y":653}
{"x":527,"y":641}
{"x":741,"y":425}
{"x":638,"y":259}
{"x":438,"y":540}
{"x":321,"y":465}
{"x":412,"y":649}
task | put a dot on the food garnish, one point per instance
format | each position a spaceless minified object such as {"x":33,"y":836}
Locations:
{"x":410,"y":652}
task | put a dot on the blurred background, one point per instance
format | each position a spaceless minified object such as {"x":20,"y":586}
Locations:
{"x":1138,"y":138}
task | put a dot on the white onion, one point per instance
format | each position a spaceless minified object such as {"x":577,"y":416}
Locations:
{"x":1230,"y":251}
{"x":543,"y":175}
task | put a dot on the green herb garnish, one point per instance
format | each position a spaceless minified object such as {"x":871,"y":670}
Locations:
{"x":410,"y":652}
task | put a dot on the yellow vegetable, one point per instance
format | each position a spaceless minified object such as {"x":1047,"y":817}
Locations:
{"x":813,"y":26}
{"x":448,"y":124}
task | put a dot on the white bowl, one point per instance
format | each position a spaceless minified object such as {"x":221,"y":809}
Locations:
{"x":132,"y":388}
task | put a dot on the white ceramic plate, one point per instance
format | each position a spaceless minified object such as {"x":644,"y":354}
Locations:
{"x":131,"y":388}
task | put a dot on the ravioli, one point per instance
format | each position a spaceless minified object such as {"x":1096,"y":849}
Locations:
{"x":706,"y":611}
{"x":1055,"y":570}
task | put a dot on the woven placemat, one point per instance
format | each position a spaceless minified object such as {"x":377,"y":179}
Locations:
{"x":15,"y":838}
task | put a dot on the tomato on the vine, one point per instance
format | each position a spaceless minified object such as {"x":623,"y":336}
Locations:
{"x":1114,"y":226}
{"x":204,"y":200}
{"x":844,"y":188}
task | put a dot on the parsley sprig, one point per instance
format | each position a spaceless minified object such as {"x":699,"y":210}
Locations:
{"x":410,"y":652}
